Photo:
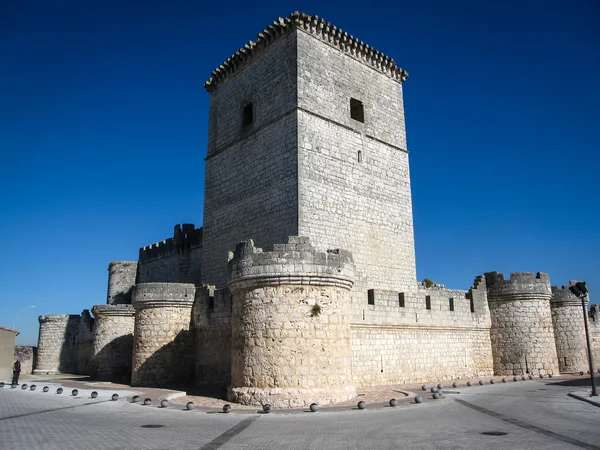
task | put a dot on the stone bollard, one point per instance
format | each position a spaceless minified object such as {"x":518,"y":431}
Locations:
{"x":314,"y":407}
{"x":393,"y":402}
{"x":45,"y":389}
{"x":94,"y":394}
{"x":59,"y":391}
{"x":504,"y":380}
{"x":24,"y":387}
{"x":361,"y":405}
{"x":433,"y":390}
{"x":469,"y":383}
{"x":440,"y":386}
{"x":74,"y":392}
{"x":115,"y":397}
{"x":267,"y":408}
{"x":147,"y":401}
{"x":227,"y":408}
{"x":492,"y":381}
{"x":1,"y":384}
{"x":481,"y":382}
{"x":418,"y":399}
{"x":164,"y":403}
{"x":190,"y":405}
{"x":455,"y":384}
{"x":425,"y":387}
{"x":135,"y":399}
{"x":436,"y":395}
{"x":32,"y":387}
{"x":515,"y":379}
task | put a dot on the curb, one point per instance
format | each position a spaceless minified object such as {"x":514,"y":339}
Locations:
{"x":596,"y":403}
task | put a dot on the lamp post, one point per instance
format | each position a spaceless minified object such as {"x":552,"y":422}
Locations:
{"x":580,"y":291}
{"x":16,"y":315}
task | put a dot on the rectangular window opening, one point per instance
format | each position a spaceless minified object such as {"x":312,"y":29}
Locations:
{"x":357,"y":110}
{"x":428,"y":302}
{"x":472,"y":305}
{"x":211,"y":302}
{"x":371,"y":296}
{"x":247,"y":115}
{"x":401,"y":299}
{"x":451,"y":304}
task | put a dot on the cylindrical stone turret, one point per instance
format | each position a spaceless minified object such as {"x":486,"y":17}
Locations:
{"x":290,"y":325}
{"x":522,"y":334}
{"x":121,"y":279}
{"x":569,"y":330}
{"x":113,"y":342}
{"x":162,"y":340}
{"x":57,"y":344}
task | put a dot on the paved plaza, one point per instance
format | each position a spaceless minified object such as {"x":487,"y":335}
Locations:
{"x":519,"y":415}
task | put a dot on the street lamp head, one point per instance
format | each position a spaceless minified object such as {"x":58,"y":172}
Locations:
{"x":579,"y":289}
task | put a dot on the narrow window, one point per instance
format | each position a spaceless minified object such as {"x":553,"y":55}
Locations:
{"x":428,"y":302}
{"x":211,"y":302}
{"x":247,"y":115}
{"x":357,"y":110}
{"x":472,"y":305}
{"x":401,"y":299}
{"x":359,"y":156}
{"x":371,"y":296}
{"x":451,"y":304}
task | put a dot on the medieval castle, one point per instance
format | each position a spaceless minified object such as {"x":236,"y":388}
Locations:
{"x":301,"y":285}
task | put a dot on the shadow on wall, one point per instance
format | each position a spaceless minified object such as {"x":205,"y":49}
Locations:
{"x":169,"y":367}
{"x":122,"y":298}
{"x":113,"y":361}
{"x":68,"y":355}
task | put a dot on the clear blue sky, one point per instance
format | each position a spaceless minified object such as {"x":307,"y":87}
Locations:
{"x":103,"y":122}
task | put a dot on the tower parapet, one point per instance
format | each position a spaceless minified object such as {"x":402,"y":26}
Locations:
{"x":162,"y":341}
{"x":113,"y":342}
{"x":290,"y":325}
{"x":522,"y":334}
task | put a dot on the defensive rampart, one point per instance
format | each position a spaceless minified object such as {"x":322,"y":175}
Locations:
{"x":290,"y":325}
{"x":121,"y":279}
{"x":57,"y":351}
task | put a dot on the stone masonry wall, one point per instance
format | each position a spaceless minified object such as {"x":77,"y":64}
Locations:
{"x":113,"y":342}
{"x":162,"y":341}
{"x":211,"y":323}
{"x":27,"y":356}
{"x":251,"y":184}
{"x":121,"y":279}
{"x":569,"y":332}
{"x":174,"y":260}
{"x":354,"y":180}
{"x":290,"y":325}
{"x":522,"y":333}
{"x":594,"y":327}
{"x":84,"y":343}
{"x":401,"y":344}
{"x":57,"y":350}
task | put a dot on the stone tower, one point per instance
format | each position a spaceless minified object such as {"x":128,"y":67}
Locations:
{"x":307,"y":137}
{"x":522,"y":332}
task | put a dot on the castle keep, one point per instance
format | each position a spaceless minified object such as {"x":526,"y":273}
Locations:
{"x":301,"y":285}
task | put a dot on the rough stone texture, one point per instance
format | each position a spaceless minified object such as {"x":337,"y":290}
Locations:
{"x":57,"y":344}
{"x":594,"y":326}
{"x":211,"y":323}
{"x":7,"y":345}
{"x":522,"y":334}
{"x":174,"y":260}
{"x":113,"y":342}
{"x":290,"y":325}
{"x":569,"y":330}
{"x":394,"y":344}
{"x":121,"y":279}
{"x":252,"y":168}
{"x":27,"y":356}
{"x":162,"y":341}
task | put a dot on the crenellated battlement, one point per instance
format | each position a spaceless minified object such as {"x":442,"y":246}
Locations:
{"x":317,"y":27}
{"x":185,"y":237}
{"x":564,"y":296}
{"x":296,"y":262}
{"x":520,"y":285}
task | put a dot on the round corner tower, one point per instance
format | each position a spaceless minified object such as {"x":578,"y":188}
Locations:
{"x":57,"y":344}
{"x":522,"y":333}
{"x":162,"y":340}
{"x":113,"y":342}
{"x":121,"y":279}
{"x":569,"y":332}
{"x":290,"y":325}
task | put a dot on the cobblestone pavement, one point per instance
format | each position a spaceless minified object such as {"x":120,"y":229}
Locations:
{"x":532,"y":414}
